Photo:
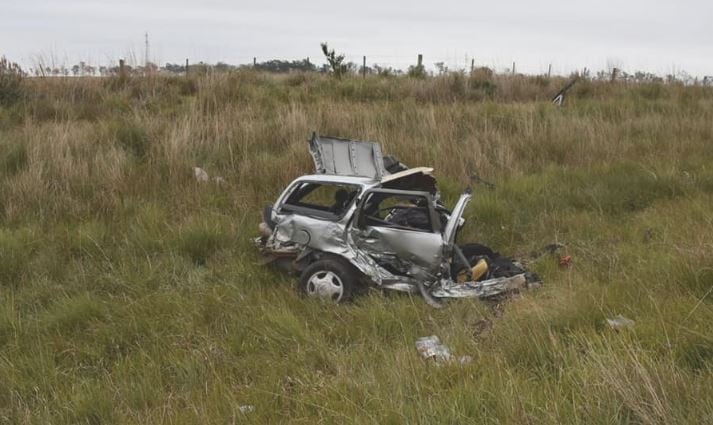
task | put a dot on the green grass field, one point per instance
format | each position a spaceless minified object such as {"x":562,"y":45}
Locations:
{"x":131,"y":293}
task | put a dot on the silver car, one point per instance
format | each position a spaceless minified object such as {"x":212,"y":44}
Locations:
{"x":366,"y":220}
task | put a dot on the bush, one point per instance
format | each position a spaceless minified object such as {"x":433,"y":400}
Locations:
{"x":10,"y":82}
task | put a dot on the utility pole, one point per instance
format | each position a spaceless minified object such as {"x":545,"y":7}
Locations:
{"x":146,"y":50}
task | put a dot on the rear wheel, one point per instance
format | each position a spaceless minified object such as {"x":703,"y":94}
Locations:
{"x":330,"y":280}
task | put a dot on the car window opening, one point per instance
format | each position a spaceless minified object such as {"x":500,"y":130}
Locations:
{"x":329,"y":200}
{"x":407,"y":212}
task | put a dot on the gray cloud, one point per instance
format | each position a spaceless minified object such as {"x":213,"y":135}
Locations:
{"x":635,"y":34}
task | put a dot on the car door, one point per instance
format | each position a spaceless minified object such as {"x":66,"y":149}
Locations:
{"x":398,"y":225}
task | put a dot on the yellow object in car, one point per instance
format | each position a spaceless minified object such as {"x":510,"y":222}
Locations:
{"x":479,"y":270}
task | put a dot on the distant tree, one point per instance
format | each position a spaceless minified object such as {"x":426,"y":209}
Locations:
{"x":174,"y":68}
{"x":222,"y":67}
{"x":386,"y":71}
{"x":335,"y":61}
{"x":417,"y":71}
{"x":283,"y":66}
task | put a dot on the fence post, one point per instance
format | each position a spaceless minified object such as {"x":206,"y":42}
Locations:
{"x":363,"y":67}
{"x":420,"y":60}
{"x":513,"y":68}
{"x":472,"y":65}
{"x":186,"y":67}
{"x":254,"y":61}
{"x":549,"y":71}
{"x":122,"y":70}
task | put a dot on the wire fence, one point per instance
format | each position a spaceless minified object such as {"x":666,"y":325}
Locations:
{"x":357,"y":64}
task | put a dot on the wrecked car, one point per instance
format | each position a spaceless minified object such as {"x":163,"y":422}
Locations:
{"x":366,"y":220}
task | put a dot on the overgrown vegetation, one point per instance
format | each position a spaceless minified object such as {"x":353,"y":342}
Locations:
{"x":10,"y":82}
{"x":131,"y":293}
{"x":335,"y":61}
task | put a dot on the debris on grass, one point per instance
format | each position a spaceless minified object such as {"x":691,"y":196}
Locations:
{"x":430,"y":347}
{"x":203,"y":177}
{"x":565,"y":261}
{"x":620,"y":322}
{"x":201,"y":174}
{"x":247,"y":408}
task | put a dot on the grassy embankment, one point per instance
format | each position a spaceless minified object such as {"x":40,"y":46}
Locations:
{"x":131,"y":293}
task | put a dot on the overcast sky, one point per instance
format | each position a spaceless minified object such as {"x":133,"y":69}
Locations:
{"x":657,"y":36}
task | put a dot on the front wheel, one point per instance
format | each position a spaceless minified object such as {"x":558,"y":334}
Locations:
{"x":330,"y":280}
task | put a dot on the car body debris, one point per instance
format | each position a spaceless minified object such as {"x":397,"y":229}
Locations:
{"x":367,"y":220}
{"x":202,"y":176}
{"x":246,"y":408}
{"x":431,"y":348}
{"x":620,"y":322}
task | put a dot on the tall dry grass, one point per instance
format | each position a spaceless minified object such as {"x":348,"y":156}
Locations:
{"x":129,"y":292}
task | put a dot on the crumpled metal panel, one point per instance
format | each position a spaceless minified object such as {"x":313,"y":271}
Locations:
{"x":483,"y":289}
{"x":329,"y":237}
{"x":422,"y":248}
{"x":345,"y":157}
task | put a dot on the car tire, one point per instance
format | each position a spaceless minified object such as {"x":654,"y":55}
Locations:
{"x":329,"y":279}
{"x":473,"y":250}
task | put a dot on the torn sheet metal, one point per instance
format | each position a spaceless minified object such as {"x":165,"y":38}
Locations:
{"x":485,"y":289}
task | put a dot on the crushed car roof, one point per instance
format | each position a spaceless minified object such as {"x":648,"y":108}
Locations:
{"x":328,"y":178}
